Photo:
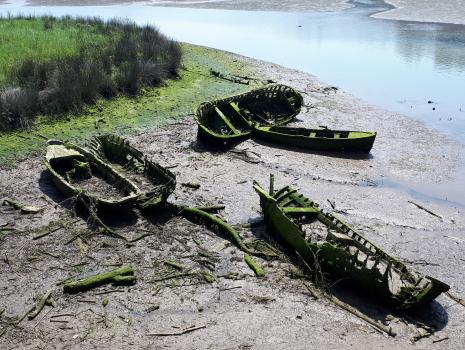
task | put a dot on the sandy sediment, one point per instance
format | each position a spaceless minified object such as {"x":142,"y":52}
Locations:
{"x":81,"y":3}
{"x":262,"y":5}
{"x":449,"y":11}
{"x":249,"y":5}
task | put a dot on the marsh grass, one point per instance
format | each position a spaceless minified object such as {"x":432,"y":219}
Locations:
{"x":51,"y":66}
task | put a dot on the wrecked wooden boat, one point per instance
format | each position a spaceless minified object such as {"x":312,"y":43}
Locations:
{"x":229,"y":120}
{"x":326,"y":140}
{"x":78,"y":172}
{"x":155,"y":182}
{"x":331,"y":247}
{"x":220,"y":124}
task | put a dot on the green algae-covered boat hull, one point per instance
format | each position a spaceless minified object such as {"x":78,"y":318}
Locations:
{"x":340,"y":260}
{"x":228,"y":121}
{"x":220,"y":124}
{"x":317,"y":139}
{"x":132,"y":162}
{"x":274,"y":104}
{"x":59,"y":153}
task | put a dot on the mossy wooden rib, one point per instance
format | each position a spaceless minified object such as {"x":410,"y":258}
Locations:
{"x":155,"y":182}
{"x":256,"y":268}
{"x":124,"y":274}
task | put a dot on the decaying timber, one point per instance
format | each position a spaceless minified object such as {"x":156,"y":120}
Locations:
{"x":214,"y":223}
{"x":121,"y":275}
{"x":317,"y":139}
{"x":154,"y":181}
{"x":227,"y":120}
{"x":327,"y":243}
{"x":76,"y":171}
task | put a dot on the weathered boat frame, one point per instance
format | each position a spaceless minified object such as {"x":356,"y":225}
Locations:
{"x":326,"y":140}
{"x":218,"y":129}
{"x":69,"y":190}
{"x":115,"y":149}
{"x":283,"y":208}
{"x":274,"y":104}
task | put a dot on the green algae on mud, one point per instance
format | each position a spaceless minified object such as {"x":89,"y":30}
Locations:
{"x":125,"y":115}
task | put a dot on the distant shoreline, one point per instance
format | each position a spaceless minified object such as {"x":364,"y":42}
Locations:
{"x":447,"y":12}
{"x":246,"y":5}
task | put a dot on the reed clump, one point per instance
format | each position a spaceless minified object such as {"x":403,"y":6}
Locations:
{"x":97,"y":59}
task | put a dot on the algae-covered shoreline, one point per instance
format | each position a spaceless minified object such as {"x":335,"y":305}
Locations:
{"x":152,"y":107}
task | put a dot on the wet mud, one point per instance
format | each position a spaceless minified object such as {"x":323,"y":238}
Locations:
{"x":237,"y":310}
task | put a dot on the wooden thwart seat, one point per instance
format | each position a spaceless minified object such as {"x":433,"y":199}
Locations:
{"x":238,"y":110}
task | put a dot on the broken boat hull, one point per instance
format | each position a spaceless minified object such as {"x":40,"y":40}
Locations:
{"x":59,"y":160}
{"x":215,"y":128}
{"x":345,"y":254}
{"x":228,"y":121}
{"x":158,"y":181}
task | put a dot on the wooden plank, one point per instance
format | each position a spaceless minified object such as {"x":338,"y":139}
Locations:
{"x":238,"y":110}
{"x":226,"y":121}
{"x":298,"y":210}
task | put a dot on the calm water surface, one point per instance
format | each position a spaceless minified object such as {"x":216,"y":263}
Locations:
{"x":399,"y":66}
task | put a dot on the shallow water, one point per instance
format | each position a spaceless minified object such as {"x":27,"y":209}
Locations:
{"x":399,"y":66}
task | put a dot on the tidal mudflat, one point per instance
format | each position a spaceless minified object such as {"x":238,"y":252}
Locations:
{"x":237,"y":310}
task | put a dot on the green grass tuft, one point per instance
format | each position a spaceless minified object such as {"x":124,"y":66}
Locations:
{"x":53,"y":66}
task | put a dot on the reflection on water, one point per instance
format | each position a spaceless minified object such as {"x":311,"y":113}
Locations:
{"x":396,"y":65}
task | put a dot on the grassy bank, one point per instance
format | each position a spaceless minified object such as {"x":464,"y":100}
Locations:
{"x":124,"y":115}
{"x":52,"y":66}
{"x":40,"y":39}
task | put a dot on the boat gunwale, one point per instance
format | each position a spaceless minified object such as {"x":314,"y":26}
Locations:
{"x":366,"y":134}
{"x":100,"y":200}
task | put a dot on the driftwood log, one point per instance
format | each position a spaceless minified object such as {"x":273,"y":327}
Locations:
{"x":40,"y":305}
{"x":211,"y":220}
{"x":121,"y":275}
